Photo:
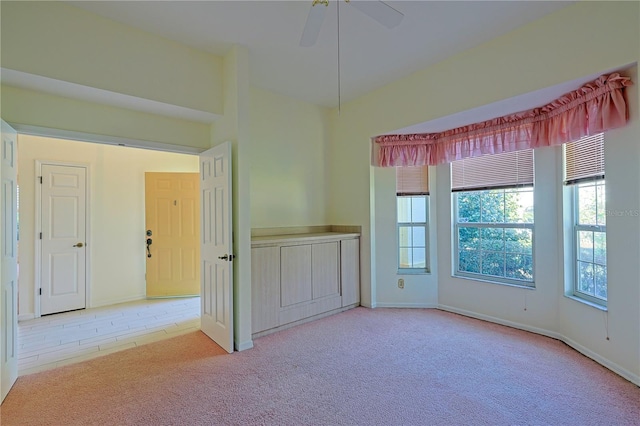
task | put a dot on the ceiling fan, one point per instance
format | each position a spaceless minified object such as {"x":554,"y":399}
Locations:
{"x":378,"y":10}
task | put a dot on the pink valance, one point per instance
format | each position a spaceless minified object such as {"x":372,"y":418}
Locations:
{"x":594,"y":108}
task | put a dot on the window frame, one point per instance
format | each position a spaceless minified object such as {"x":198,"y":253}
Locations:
{"x":529,"y":284}
{"x":427,"y":268}
{"x":576,"y":227}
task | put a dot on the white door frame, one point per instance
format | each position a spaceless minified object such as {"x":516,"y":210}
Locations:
{"x":37,"y":227}
{"x":94,"y":138}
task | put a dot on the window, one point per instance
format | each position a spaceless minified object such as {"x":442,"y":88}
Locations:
{"x":412,"y":202}
{"x":584,"y":177}
{"x":493,"y":211}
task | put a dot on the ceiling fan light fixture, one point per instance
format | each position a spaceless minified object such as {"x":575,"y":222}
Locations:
{"x":313,"y":24}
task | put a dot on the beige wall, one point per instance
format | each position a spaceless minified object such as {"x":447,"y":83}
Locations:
{"x":288,"y":165}
{"x":117,"y":224}
{"x":583,"y":39}
{"x":33,"y":108}
{"x":62,"y":42}
{"x":234,"y":127}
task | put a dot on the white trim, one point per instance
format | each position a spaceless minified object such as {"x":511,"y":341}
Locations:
{"x":26,"y":129}
{"x":633,"y":378}
{"x":407,"y":305}
{"x":489,"y":318}
{"x":244,"y":345}
{"x":118,"y":301}
{"x":25,"y":317}
{"x":38,"y":228}
{"x":105,"y":97}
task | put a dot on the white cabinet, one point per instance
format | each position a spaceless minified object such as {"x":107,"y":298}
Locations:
{"x":297,"y":277}
{"x":350,"y":271}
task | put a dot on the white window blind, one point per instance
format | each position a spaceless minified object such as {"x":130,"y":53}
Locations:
{"x":584,"y":159}
{"x":412,"y":180}
{"x":505,"y":170}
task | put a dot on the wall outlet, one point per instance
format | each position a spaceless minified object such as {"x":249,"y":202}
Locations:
{"x":400,"y":283}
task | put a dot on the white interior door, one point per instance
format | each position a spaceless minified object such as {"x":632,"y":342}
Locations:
{"x":216,"y":250}
{"x":63,"y":234}
{"x":9,"y":263}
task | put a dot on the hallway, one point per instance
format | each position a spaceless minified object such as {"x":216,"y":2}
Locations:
{"x":56,"y":340}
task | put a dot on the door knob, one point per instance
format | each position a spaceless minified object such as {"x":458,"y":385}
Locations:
{"x":225,"y":257}
{"x":78,"y":245}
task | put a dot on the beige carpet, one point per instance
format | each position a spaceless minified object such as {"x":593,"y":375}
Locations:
{"x":361,"y":367}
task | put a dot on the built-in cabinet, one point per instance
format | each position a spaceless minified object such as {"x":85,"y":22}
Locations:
{"x":297,"y":277}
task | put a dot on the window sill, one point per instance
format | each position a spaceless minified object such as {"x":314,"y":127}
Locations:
{"x":413,"y":272}
{"x":488,"y":281}
{"x":587,"y":302}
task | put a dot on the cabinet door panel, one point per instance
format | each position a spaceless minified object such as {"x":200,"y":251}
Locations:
{"x":324,"y":269}
{"x":265,"y":288}
{"x":350,"y":271}
{"x":295,"y":275}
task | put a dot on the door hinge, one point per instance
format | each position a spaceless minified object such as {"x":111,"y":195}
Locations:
{"x":41,"y":235}
{"x":40,"y":292}
{"x":40,"y":177}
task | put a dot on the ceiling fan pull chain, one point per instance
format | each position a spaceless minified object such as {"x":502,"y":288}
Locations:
{"x":338,"y":13}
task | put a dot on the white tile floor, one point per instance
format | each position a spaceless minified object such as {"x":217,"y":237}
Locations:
{"x":56,"y":340}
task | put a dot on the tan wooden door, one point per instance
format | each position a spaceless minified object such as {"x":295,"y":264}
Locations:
{"x":172,"y":211}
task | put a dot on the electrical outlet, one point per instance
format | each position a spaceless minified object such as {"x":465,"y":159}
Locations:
{"x":400,"y":283}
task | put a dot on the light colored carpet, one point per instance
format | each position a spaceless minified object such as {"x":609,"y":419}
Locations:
{"x":360,"y":367}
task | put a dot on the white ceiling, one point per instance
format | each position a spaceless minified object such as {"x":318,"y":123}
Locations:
{"x":370,"y":54}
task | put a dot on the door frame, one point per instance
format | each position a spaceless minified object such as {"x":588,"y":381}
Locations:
{"x":133,"y":143}
{"x":38,"y":242}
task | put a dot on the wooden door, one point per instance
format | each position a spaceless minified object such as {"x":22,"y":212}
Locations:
{"x":217,"y":246}
{"x":63,"y":259}
{"x":172,"y":211}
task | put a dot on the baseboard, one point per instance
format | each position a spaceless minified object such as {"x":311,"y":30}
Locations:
{"x":26,"y":317}
{"x":244,"y":345}
{"x":117,"y":301}
{"x":303,"y":321}
{"x":406,"y":305}
{"x":633,"y":378}
{"x":501,"y":321}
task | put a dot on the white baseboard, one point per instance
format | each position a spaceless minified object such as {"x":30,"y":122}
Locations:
{"x":244,"y":345}
{"x":26,"y":317}
{"x":633,"y":378}
{"x":406,"y":305}
{"x":116,"y":301}
{"x":500,"y":321}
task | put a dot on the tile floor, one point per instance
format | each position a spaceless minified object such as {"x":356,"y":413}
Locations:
{"x":61,"y":339}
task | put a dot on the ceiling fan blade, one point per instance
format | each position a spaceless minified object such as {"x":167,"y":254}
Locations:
{"x":380,"y":11}
{"x":313,"y":25}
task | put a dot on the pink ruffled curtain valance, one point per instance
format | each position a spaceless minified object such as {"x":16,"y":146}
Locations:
{"x":595,"y":107}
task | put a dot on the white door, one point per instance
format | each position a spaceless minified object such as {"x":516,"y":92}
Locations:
{"x":63,"y":233}
{"x":9,"y":263}
{"x":216,"y":250}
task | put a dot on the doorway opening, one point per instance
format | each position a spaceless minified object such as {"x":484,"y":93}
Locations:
{"x":116,"y":243}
